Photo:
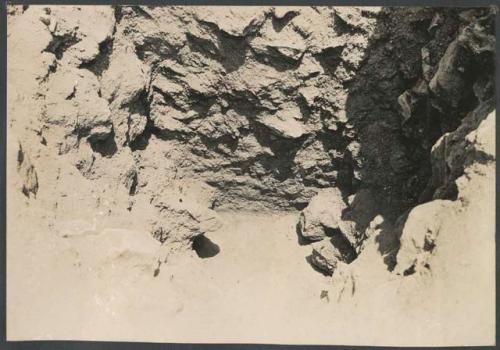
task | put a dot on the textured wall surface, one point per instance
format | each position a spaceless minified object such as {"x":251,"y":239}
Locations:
{"x":371,"y":129}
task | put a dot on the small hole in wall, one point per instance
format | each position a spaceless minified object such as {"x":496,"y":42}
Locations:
{"x":409,"y":271}
{"x":204,"y":247}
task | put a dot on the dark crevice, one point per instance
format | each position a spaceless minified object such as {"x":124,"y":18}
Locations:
{"x":106,"y":148}
{"x":409,"y":271}
{"x":272,"y":57}
{"x":141,"y":142}
{"x":280,"y":23}
{"x":342,"y":244}
{"x":204,"y":247}
{"x":60,"y":43}
{"x":342,"y":27}
{"x":309,"y":259}
{"x":101,"y":63}
{"x":118,"y":13}
{"x":330,"y":58}
{"x":301,"y":240}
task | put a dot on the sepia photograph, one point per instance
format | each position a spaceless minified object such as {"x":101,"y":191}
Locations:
{"x":301,"y":175}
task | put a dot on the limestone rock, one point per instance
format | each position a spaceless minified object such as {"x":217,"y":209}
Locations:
{"x":420,"y":232}
{"x":449,"y":83}
{"x":73,"y":103}
{"x":312,"y":156}
{"x":122,"y":85}
{"x":309,"y":67}
{"x":84,"y":28}
{"x":166,"y":122}
{"x":267,"y":105}
{"x":328,"y":254}
{"x":137,"y":125}
{"x":325,"y":256}
{"x":220,"y":125}
{"x":286,"y":44}
{"x":482,"y":140}
{"x":237,"y":21}
{"x":453,"y":151}
{"x":285,"y":123}
{"x":324,"y":211}
{"x":125,"y":78}
{"x":159,"y":116}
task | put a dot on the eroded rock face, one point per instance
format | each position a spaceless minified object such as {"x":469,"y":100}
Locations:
{"x":241,"y":93}
{"x":401,"y":103}
{"x":346,"y":113}
{"x":426,"y":222}
{"x":75,"y":106}
{"x":421,"y":143}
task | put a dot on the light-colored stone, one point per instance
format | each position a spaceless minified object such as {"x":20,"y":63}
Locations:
{"x":323,"y":211}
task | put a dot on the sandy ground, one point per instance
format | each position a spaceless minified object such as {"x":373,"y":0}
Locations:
{"x":80,"y":283}
{"x":258,"y":283}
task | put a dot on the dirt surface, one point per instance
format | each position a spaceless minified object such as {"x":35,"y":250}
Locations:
{"x":257,"y":289}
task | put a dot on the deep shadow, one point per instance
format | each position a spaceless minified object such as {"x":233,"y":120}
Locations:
{"x":316,"y":268}
{"x":142,"y":141}
{"x":301,"y":239}
{"x":106,"y":147}
{"x":329,"y":58}
{"x":392,"y":64}
{"x":229,"y":50}
{"x":280,"y":23}
{"x":342,"y":244}
{"x":204,"y":247}
{"x":395,"y":153}
{"x":101,"y":62}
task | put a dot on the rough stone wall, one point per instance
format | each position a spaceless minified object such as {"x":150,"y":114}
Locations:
{"x":423,"y":75}
{"x":250,"y":100}
{"x":151,"y":108}
{"x":426,"y":87}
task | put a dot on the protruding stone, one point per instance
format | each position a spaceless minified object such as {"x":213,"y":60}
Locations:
{"x":237,"y":21}
{"x":137,"y":125}
{"x":285,"y":123}
{"x":74,"y":104}
{"x":328,"y":254}
{"x":286,"y":44}
{"x":165,"y":122}
{"x":283,"y":11}
{"x":420,"y":232}
{"x":325,"y":256}
{"x":323,"y":211}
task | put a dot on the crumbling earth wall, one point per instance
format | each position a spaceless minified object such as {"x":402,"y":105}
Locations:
{"x":168,"y":114}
